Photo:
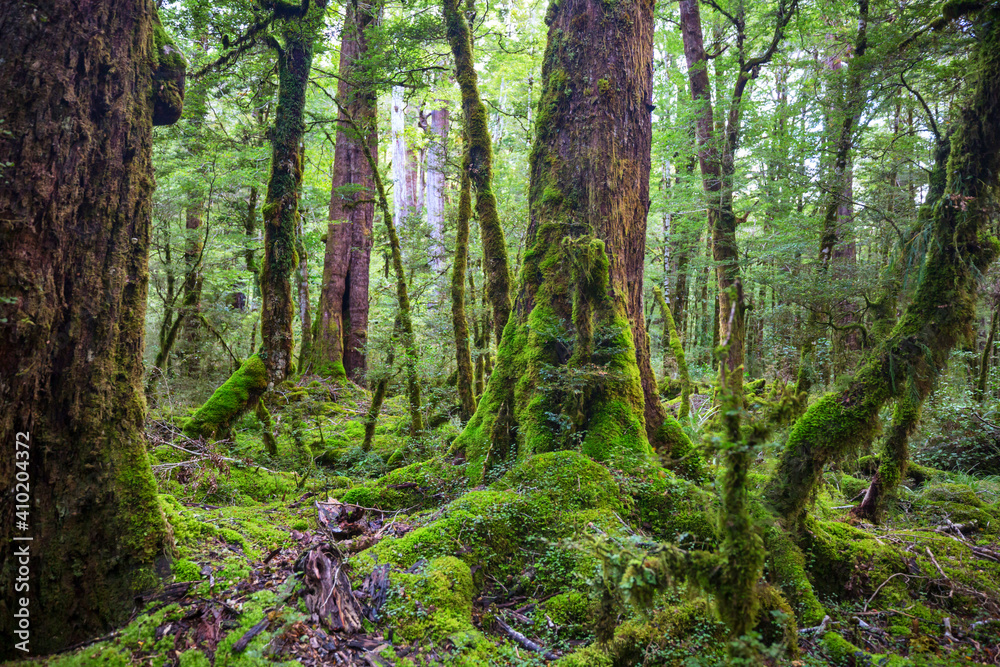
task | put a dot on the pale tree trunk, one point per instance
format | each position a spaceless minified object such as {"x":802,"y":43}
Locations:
{"x":437,"y":157}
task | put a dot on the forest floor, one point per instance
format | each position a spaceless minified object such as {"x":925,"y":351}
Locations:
{"x":329,"y":555}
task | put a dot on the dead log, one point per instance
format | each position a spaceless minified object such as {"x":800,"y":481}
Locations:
{"x":327,"y":590}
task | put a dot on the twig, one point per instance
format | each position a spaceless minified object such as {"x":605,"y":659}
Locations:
{"x":224,"y":458}
{"x":891,"y":577}
{"x":248,"y":636}
{"x":934,"y":560}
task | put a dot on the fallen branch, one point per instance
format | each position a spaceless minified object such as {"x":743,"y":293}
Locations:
{"x":522,"y":640}
{"x":248,"y":636}
{"x":819,"y":629}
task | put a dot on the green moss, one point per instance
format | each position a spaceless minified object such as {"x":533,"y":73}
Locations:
{"x":432,"y":605}
{"x":667,"y":637}
{"x":785,"y":569}
{"x":185,"y":570}
{"x":435,"y":478}
{"x":571,"y":480}
{"x":851,"y":487}
{"x":841,"y":651}
{"x":239,"y":393}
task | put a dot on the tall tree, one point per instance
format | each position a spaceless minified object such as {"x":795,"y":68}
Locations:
{"x":717,"y":157}
{"x":74,"y":245}
{"x":298,"y":27}
{"x":341,"y":337}
{"x":479,"y":166}
{"x":568,"y":366}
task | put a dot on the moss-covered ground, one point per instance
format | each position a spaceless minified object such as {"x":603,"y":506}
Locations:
{"x":468,"y":562}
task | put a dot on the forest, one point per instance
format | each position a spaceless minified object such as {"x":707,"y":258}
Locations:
{"x":317,"y":316}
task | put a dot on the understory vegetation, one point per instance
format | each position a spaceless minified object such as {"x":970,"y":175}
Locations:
{"x":596,"y":334}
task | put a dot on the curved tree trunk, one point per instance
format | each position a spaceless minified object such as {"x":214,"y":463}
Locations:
{"x":74,"y":247}
{"x":942,"y":309}
{"x":342,"y":317}
{"x":273,"y":362}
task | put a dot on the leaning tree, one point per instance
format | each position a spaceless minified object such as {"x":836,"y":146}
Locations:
{"x":82,"y":91}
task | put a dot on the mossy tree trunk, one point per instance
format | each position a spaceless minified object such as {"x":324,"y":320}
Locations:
{"x":717,"y":158}
{"x":273,"y":361}
{"x":479,"y":166}
{"x":342,"y":316}
{"x":672,"y":340}
{"x":74,"y":249}
{"x":460,"y":323}
{"x":302,"y":287}
{"x":568,"y":367}
{"x":942,"y":310}
{"x":281,"y":202}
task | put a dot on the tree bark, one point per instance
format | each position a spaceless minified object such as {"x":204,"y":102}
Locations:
{"x":273,"y":361}
{"x":568,"y":367}
{"x":460,"y":323}
{"x":437,"y":157}
{"x":339,"y":348}
{"x":74,"y":246}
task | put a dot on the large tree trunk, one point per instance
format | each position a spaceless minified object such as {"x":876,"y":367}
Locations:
{"x":942,"y":309}
{"x":74,"y":245}
{"x":339,"y":347}
{"x":568,"y":367}
{"x":437,"y":157}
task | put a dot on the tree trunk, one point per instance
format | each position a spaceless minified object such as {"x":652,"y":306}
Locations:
{"x":302,"y":286}
{"x":460,"y":324}
{"x":568,"y":367}
{"x":479,"y":161}
{"x":984,"y":361}
{"x":437,"y":157}
{"x":942,"y":309}
{"x":410,"y":353}
{"x":74,"y":246}
{"x":339,"y":348}
{"x":672,"y":341}
{"x":273,"y":362}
